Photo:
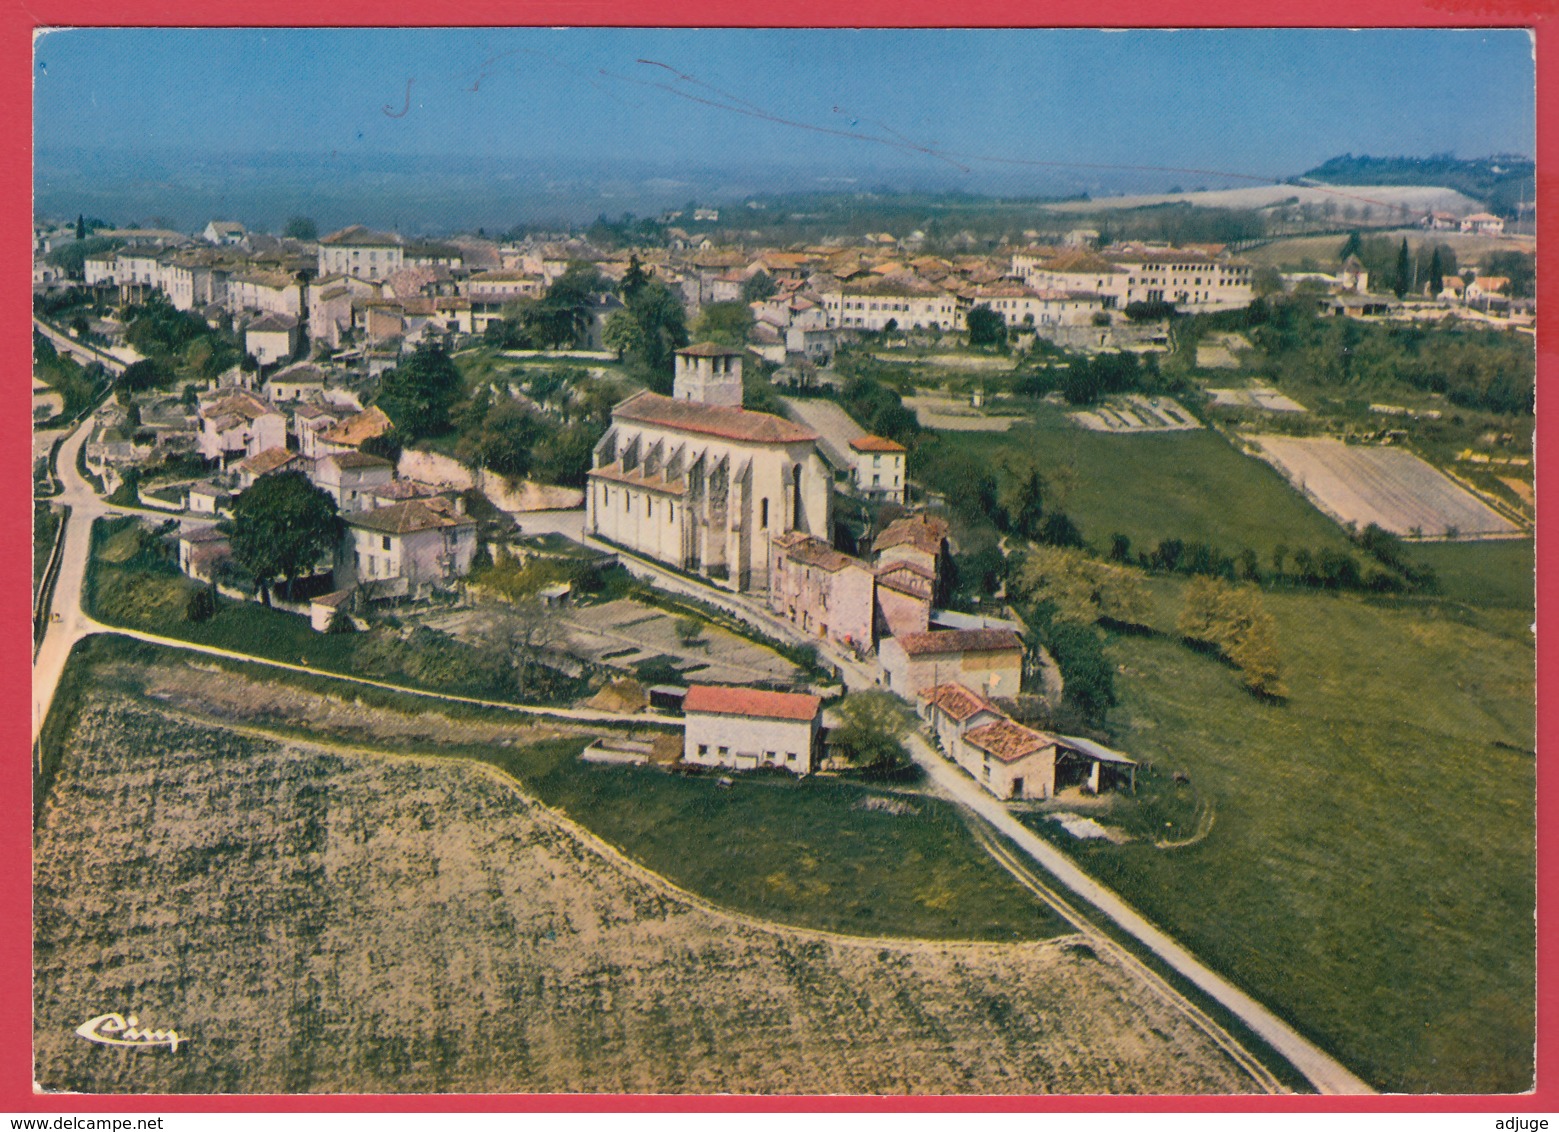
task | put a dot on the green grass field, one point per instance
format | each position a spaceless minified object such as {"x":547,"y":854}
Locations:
{"x":1189,"y":485}
{"x":1369,"y":873}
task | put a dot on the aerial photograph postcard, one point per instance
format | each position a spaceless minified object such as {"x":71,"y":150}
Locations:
{"x":783,"y":562}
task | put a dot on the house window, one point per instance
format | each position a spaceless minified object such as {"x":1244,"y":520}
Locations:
{"x":724,"y":751}
{"x":763,"y":515}
{"x":703,"y":748}
{"x":790,"y":756}
{"x":386,"y":541}
{"x":768,"y":756}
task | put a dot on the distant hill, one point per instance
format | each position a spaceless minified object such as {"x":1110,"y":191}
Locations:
{"x":1500,"y":182}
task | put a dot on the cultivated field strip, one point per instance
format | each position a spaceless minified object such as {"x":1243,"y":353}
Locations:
{"x":1390,"y":487}
{"x":317,"y":920}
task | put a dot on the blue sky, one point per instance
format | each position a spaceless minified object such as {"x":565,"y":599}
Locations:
{"x":1257,"y":102}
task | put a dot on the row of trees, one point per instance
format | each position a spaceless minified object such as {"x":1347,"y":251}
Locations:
{"x":1233,"y":621}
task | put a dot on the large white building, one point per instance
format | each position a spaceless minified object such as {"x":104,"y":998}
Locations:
{"x":906,"y":302}
{"x":745,"y":728}
{"x":361,"y":252}
{"x":703,"y":487}
{"x":1190,"y":278}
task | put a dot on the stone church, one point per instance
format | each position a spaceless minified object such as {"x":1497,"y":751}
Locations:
{"x":696,"y":482}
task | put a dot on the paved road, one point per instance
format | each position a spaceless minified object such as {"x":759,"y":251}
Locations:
{"x":73,"y":624}
{"x":1320,"y":1069}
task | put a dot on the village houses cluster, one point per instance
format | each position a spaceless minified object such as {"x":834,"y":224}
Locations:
{"x":741,"y":500}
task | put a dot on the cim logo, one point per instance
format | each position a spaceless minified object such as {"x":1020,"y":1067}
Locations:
{"x":120,"y":1030}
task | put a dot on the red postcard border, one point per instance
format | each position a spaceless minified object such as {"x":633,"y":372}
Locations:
{"x":17,"y":27}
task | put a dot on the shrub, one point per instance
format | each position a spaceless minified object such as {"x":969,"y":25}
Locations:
{"x":202,"y":605}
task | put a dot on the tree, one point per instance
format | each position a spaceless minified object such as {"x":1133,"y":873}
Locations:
{"x":81,"y":226}
{"x":633,"y":279}
{"x":623,"y":334}
{"x":1350,"y":246}
{"x":758,"y":286}
{"x":985,"y":326}
{"x":282,"y":526}
{"x":1026,"y":504}
{"x":505,"y":441}
{"x":725,"y":323}
{"x":1404,"y":280}
{"x":1436,"y":274}
{"x":419,"y":393}
{"x":871,"y":731}
{"x":690,"y":630}
{"x":1265,"y":281}
{"x":202,"y":605}
{"x":518,"y":635}
{"x":1078,"y":588}
{"x":658,"y":311}
{"x":300,"y":228}
{"x":1233,"y":620}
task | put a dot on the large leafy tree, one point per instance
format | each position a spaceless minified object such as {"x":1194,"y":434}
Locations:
{"x":986,"y":327}
{"x":282,"y":526}
{"x":658,"y":311}
{"x":419,"y":393}
{"x":871,"y":731}
{"x":301,"y":228}
{"x":562,"y":315}
{"x":760,"y":285}
{"x":725,"y":323}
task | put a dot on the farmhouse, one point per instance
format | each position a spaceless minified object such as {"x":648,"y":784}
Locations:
{"x":251,"y":468}
{"x":989,"y":661}
{"x":820,"y":590}
{"x":1483,"y":224}
{"x":349,"y":435}
{"x":703,"y":487}
{"x":951,"y":709}
{"x":745,"y":728}
{"x":918,"y":541}
{"x":1008,"y":759}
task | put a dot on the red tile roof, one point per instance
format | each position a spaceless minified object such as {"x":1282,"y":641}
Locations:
{"x":957,"y":701}
{"x":714,"y":420}
{"x":810,"y":551}
{"x":713,"y":699}
{"x":960,"y":640}
{"x":876,"y":444}
{"x":410,"y":517}
{"x":923,"y":532}
{"x":263,"y":463}
{"x":1007,"y":741}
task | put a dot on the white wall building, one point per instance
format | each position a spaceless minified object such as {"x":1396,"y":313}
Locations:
{"x":745,"y":728}
{"x":361,"y":252}
{"x":702,"y":487}
{"x":879,"y":468}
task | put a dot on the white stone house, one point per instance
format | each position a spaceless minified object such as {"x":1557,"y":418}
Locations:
{"x":951,"y":709}
{"x":879,"y":468}
{"x":271,"y":338}
{"x":352,"y":479}
{"x":745,"y":728}
{"x":1008,"y":759}
{"x":251,"y":468}
{"x":406,"y":549}
{"x":361,"y":252}
{"x":908,"y":303}
{"x":225,"y":232}
{"x":703,"y":487}
{"x":295,"y":383}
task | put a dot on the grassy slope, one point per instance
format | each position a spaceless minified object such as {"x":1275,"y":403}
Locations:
{"x":1369,"y":873}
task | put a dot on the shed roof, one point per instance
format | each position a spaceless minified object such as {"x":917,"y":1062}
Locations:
{"x":1008,"y":741}
{"x":713,"y":699}
{"x":960,"y":640}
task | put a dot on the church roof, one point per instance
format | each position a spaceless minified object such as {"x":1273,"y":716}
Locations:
{"x":714,"y":420}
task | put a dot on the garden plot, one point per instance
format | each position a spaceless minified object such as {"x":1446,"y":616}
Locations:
{"x":1136,"y":413}
{"x":1389,"y":487}
{"x":314,"y":920}
{"x":955,"y":414}
{"x":1257,"y":396}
